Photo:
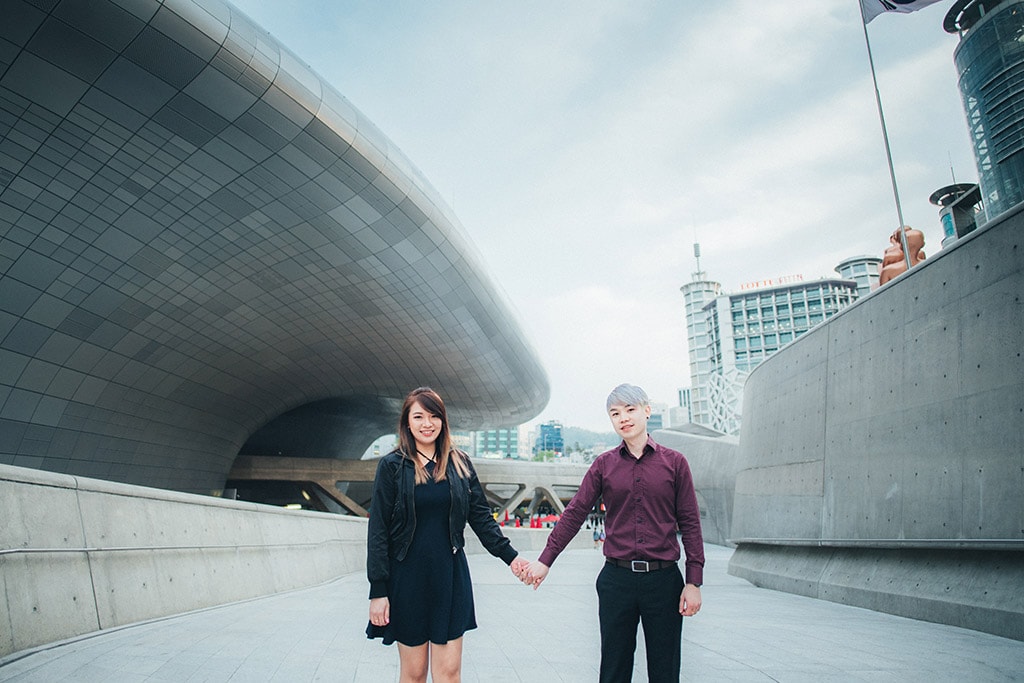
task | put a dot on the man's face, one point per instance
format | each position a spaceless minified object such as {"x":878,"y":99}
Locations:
{"x":629,"y":421}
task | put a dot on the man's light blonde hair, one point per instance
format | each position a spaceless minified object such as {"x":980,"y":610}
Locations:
{"x":627,"y":395}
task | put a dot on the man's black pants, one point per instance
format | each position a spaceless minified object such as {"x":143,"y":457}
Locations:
{"x":626,"y":598}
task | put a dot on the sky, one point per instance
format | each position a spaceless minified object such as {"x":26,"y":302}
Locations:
{"x":585,"y":146}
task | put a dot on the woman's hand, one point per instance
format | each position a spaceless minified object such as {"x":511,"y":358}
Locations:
{"x":380,"y":611}
{"x":519,"y":566}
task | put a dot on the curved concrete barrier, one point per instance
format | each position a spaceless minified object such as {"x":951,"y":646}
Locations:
{"x":881,"y":458}
{"x":81,"y":555}
{"x":713,"y":464}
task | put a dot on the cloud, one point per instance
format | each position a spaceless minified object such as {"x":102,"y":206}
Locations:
{"x":597,"y":336}
{"x":586,"y":146}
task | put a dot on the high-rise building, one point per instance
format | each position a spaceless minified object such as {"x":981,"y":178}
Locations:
{"x":497,"y":443}
{"x":659,"y":417}
{"x":734,"y":333}
{"x":696,"y":295}
{"x":989,"y":60}
{"x":681,"y":414}
{"x":863,"y":270}
{"x":549,"y":438}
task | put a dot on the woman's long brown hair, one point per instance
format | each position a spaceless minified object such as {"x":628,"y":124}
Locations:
{"x":443,"y":448}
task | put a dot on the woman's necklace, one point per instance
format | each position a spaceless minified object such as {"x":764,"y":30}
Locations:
{"x":431,"y":459}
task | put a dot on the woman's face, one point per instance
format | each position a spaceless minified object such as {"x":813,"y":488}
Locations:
{"x":425,"y":427}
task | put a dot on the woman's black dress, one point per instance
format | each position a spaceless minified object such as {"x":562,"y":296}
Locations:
{"x":430,"y":592}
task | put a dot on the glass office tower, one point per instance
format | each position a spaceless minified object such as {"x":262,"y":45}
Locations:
{"x":990,"y":62}
{"x":739,"y":331}
{"x":549,"y":438}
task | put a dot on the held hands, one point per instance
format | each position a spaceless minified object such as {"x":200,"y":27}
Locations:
{"x":530,"y":573}
{"x":519,"y":566}
{"x":535,"y":573}
{"x":689,"y":601}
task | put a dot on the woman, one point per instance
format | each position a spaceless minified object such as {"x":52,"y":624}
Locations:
{"x":420,"y":592}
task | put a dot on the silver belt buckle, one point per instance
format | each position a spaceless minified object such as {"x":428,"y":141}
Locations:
{"x":639,"y":566}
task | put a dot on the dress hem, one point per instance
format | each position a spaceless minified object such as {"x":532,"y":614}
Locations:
{"x":386,"y":640}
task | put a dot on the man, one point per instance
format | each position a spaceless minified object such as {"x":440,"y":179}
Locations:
{"x":648,"y":495}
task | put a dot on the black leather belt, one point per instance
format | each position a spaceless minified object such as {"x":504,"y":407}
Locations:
{"x":641,"y":565}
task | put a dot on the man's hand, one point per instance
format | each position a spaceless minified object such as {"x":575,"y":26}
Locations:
{"x":535,"y":574}
{"x":380,"y":611}
{"x":689,"y":601}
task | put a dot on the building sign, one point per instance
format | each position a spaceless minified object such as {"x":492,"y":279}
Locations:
{"x":784,"y":280}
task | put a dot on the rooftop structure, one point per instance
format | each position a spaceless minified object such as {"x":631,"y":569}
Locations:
{"x":864,"y":270}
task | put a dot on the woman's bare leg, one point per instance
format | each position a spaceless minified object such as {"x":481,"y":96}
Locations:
{"x":446,"y":661}
{"x":412,"y":663}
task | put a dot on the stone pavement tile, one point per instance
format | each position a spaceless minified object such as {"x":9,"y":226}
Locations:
{"x":777,"y":636}
{"x":743,"y":633}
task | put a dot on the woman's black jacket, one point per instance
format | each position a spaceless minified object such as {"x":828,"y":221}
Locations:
{"x":393,"y":518}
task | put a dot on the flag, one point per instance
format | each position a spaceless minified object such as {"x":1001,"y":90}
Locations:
{"x":872,"y":8}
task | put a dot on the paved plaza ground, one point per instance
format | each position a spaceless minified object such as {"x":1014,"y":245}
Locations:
{"x":743,"y":633}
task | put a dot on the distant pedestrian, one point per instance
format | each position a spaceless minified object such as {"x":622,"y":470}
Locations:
{"x":649,"y":495}
{"x":424,"y":493}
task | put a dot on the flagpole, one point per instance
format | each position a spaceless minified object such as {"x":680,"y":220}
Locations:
{"x":885,"y":137}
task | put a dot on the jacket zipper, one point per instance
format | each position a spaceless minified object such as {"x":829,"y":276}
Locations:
{"x":451,"y":511}
{"x":410,"y":502}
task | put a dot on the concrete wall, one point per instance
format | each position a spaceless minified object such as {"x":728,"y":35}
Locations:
{"x":80,"y":555}
{"x":713,"y":464}
{"x":897,"y":427}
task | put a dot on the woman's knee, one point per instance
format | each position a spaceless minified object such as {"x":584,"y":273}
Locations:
{"x":446,"y":661}
{"x":414,"y":663}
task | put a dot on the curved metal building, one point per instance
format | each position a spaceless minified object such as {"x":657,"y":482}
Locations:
{"x":205,"y":249}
